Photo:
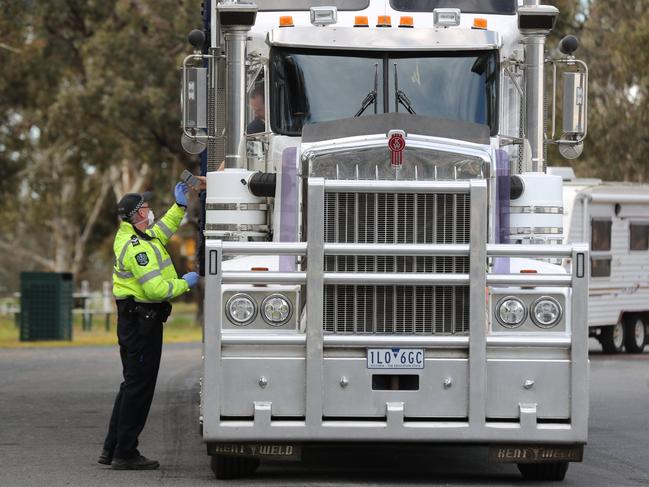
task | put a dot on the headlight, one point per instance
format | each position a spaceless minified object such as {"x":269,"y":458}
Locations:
{"x":241,"y":309}
{"x":510,"y":312}
{"x":276,"y":309}
{"x":546,"y":312}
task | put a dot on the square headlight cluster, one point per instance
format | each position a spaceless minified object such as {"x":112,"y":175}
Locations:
{"x":260,"y":309}
{"x":528,"y":312}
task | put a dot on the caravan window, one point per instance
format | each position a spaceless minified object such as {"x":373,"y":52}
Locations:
{"x":639,"y":237}
{"x":600,"y":235}
{"x":600,"y":267}
{"x":600,"y":241}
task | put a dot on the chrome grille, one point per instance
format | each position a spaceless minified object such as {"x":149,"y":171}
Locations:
{"x":408,"y":218}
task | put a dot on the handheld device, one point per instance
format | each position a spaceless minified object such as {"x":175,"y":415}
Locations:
{"x":190,"y":179}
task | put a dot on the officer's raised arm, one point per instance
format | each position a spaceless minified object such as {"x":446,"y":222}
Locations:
{"x":164,"y":228}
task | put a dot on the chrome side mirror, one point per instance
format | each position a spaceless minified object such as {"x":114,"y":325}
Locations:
{"x":574,"y":104}
{"x":193,"y":97}
{"x":575,"y":100}
{"x":574,"y":93}
{"x":193,"y":102}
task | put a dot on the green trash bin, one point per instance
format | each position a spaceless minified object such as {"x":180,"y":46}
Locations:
{"x":46,"y":306}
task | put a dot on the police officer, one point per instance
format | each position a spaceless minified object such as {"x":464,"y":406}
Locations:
{"x":144,"y":280}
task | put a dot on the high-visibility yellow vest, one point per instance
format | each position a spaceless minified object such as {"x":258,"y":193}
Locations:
{"x":143,"y":269}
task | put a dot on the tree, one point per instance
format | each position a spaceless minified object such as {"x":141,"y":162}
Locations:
{"x":614,"y":41}
{"x":88,"y":111}
{"x":614,"y":36}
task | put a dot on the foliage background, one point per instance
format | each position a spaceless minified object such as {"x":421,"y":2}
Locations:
{"x":89,"y":110}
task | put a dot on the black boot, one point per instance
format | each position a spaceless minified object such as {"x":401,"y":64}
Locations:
{"x":106,"y":457}
{"x":138,"y":462}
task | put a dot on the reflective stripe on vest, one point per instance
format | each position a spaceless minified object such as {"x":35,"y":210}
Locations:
{"x":170,"y":293}
{"x":161,"y":263}
{"x":165,"y":229}
{"x":149,"y":275}
{"x":158,"y":255}
{"x":123,"y":274}
{"x":120,"y":261}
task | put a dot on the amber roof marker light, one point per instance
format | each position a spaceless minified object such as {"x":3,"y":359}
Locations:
{"x":286,"y":21}
{"x":384,"y":21}
{"x":479,"y":23}
{"x":361,"y":21}
{"x":407,"y":22}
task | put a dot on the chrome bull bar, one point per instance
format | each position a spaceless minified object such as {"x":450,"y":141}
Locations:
{"x":315,"y":340}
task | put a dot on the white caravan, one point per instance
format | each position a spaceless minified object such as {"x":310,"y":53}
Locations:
{"x":614,"y":218}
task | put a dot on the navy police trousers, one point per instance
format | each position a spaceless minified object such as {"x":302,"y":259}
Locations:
{"x":139,"y":333}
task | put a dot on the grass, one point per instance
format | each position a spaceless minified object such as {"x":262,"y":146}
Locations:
{"x":181,"y":327}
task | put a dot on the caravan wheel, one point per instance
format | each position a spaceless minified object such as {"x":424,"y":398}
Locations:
{"x":612,"y":338}
{"x":635,"y":333}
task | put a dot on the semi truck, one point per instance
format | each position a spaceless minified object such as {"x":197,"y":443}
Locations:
{"x":384,"y":254}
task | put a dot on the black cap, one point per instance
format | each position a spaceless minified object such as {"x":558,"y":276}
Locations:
{"x":130,"y":203}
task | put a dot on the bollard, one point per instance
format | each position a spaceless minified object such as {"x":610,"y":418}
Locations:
{"x":85,"y":296}
{"x":107,"y":301}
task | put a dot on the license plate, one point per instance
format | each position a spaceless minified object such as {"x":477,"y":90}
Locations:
{"x":395,"y":358}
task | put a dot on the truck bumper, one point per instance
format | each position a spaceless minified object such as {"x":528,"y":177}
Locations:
{"x":264,"y":398}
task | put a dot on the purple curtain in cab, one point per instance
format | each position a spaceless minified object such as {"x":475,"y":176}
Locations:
{"x":289,"y":206}
{"x":501,"y":264}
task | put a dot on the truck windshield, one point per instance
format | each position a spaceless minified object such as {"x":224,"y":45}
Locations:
{"x":311,"y":86}
{"x":506,"y":7}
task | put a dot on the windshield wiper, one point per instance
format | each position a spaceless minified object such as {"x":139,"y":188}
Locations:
{"x":400,"y":96}
{"x":371,"y":96}
{"x":367,"y":101}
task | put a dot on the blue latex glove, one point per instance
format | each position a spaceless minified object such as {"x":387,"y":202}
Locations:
{"x":191,"y":278}
{"x":180,"y":193}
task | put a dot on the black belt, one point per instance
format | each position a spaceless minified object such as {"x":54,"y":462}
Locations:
{"x":147,"y":312}
{"x":131,"y":302}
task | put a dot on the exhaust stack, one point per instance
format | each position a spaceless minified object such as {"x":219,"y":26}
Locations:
{"x":232,"y":212}
{"x":535,"y":22}
{"x":235,"y":21}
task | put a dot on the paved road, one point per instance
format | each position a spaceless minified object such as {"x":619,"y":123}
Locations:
{"x":54,"y":407}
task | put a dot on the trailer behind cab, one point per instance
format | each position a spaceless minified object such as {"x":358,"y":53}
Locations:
{"x":614,"y":218}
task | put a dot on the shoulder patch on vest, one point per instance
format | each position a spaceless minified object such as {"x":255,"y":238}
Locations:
{"x":134,"y":240}
{"x":142,"y":258}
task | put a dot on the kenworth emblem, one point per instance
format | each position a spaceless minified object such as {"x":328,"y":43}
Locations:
{"x":396,"y":144}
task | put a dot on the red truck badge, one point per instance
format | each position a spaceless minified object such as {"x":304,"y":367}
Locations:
{"x":396,"y":144}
